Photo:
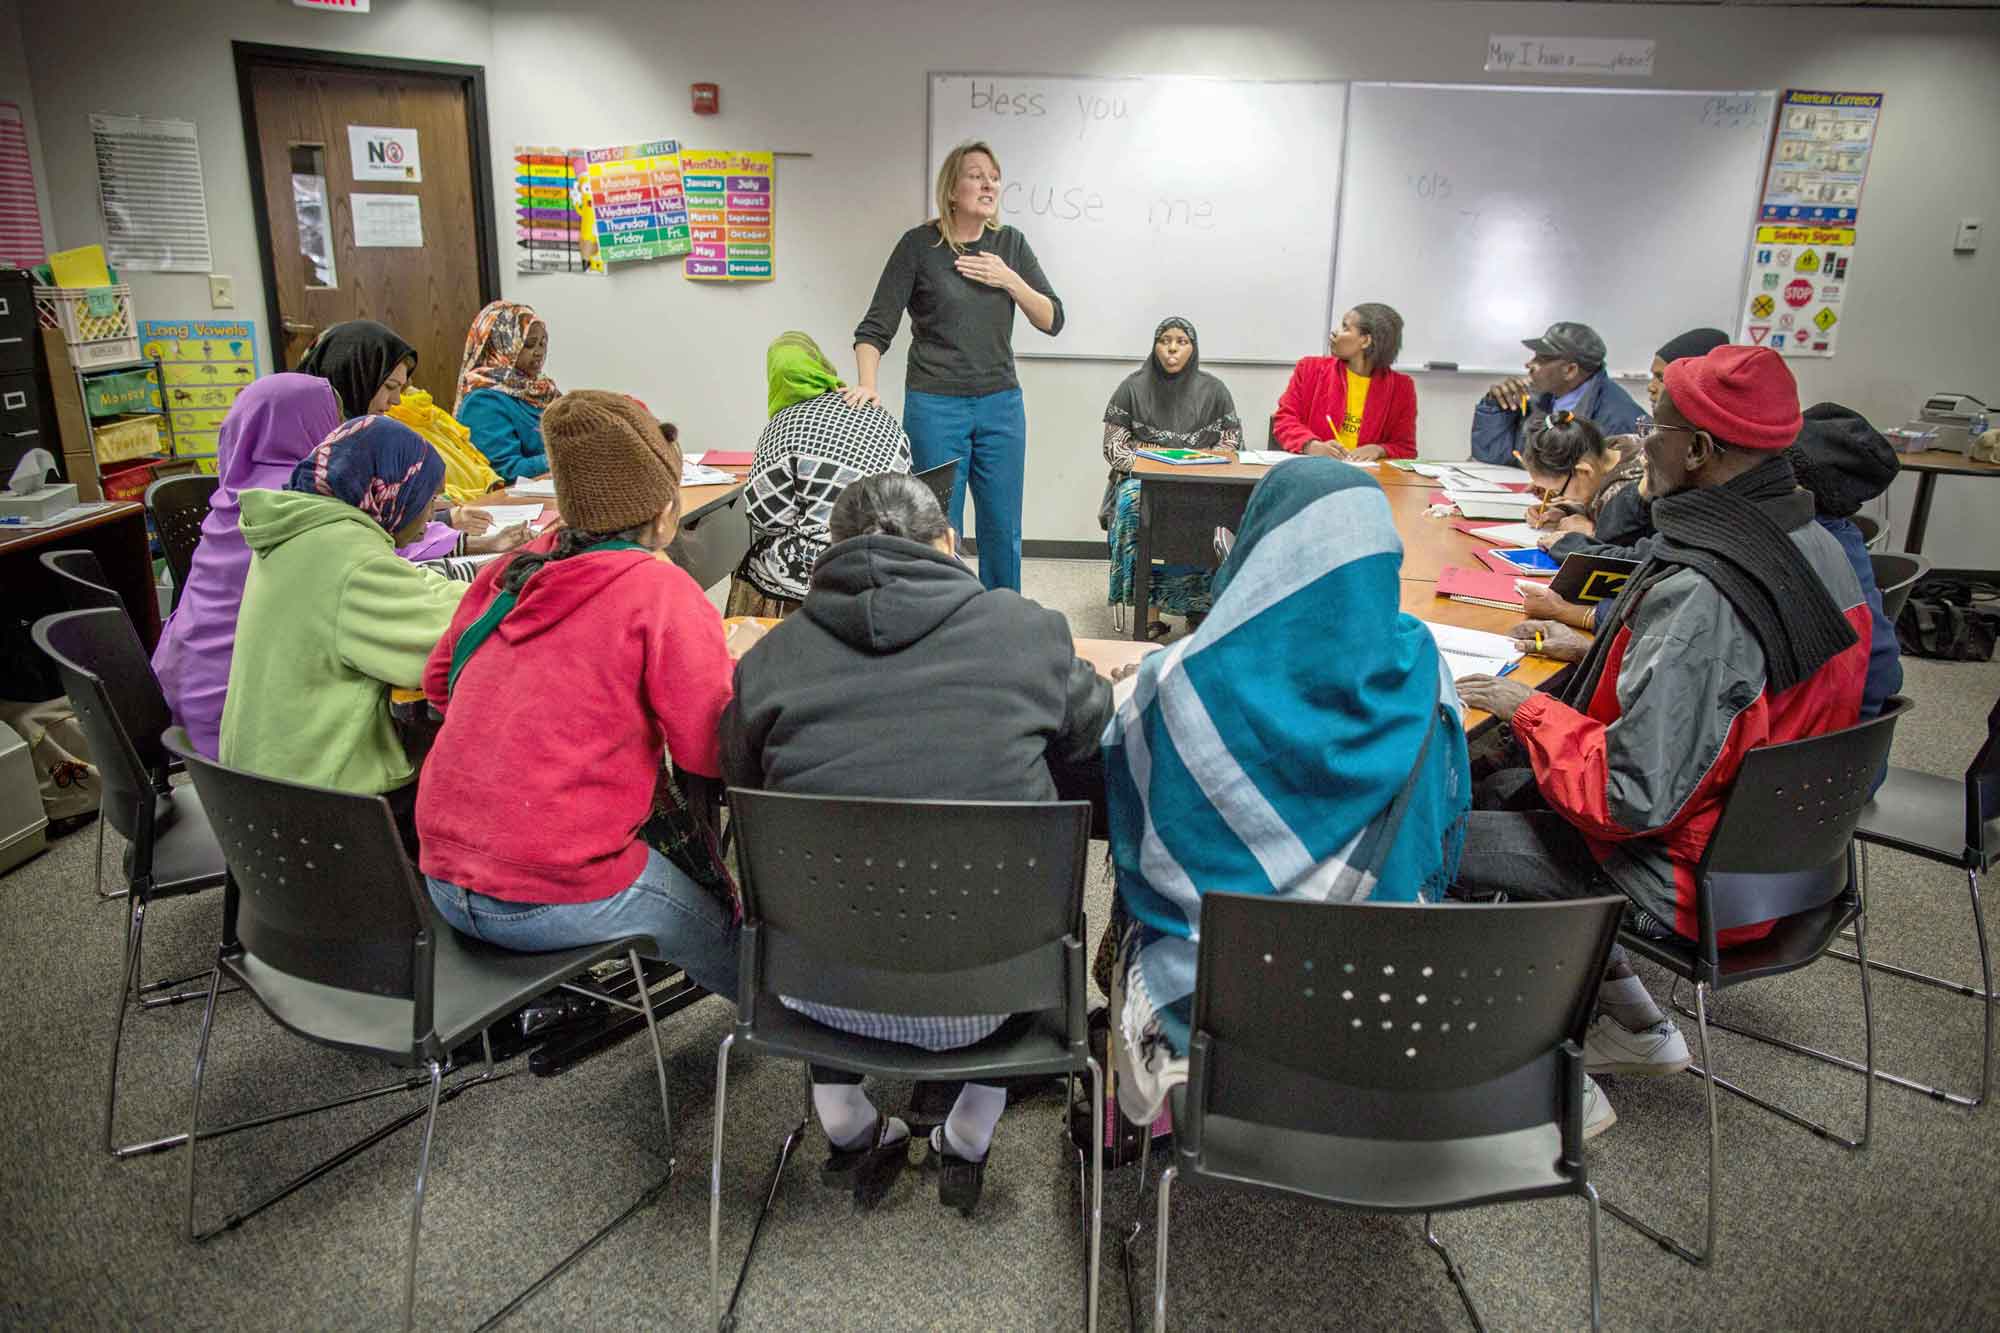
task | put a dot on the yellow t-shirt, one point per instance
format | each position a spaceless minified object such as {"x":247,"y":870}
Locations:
{"x":1350,"y":422}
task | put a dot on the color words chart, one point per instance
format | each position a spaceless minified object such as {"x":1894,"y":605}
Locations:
{"x":547,"y":229}
{"x":207,"y":363}
{"x":731,"y":223}
{"x":636,"y":206}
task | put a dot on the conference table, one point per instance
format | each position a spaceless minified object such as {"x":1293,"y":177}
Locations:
{"x":1180,"y":508}
{"x":1929,"y":465}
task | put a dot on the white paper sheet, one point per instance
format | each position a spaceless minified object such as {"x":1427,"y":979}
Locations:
{"x":694,"y":474}
{"x":1511,"y":535}
{"x":388,"y":220}
{"x":1262,"y":457}
{"x":1493,"y":504}
{"x":541,"y":486}
{"x":507,"y":515}
{"x":149,"y":189}
{"x":1456,"y":478}
{"x":1474,"y":652}
{"x":1497,"y":472}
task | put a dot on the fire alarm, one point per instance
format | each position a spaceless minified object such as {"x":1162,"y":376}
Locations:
{"x":707,"y":99}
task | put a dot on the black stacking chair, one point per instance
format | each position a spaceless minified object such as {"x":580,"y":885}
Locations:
{"x":178,"y":506}
{"x":1955,"y":822}
{"x":712,"y":546}
{"x":908,"y":907}
{"x":1390,"y":1058}
{"x":1783,"y":851}
{"x":80,"y":576}
{"x":172,"y":850}
{"x":941,"y":479}
{"x":328,"y":927}
{"x":1895,"y":575}
{"x":1872,"y":532}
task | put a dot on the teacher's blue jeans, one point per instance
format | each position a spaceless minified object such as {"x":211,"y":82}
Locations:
{"x":988,"y":438}
{"x":689,"y":926}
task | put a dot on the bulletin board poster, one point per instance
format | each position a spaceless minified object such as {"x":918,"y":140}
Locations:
{"x":207,"y":363}
{"x":1795,"y":304}
{"x":637,"y":208}
{"x":1819,"y":158}
{"x":731,"y":221}
{"x":547,"y":227}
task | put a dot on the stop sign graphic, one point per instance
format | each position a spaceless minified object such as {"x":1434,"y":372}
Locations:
{"x":1798,"y":292}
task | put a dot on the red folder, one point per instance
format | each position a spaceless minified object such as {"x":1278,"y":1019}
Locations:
{"x":726,"y":458}
{"x":1480,"y":587}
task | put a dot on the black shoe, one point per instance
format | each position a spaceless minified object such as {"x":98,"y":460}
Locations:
{"x":869,"y":1171}
{"x":960,"y":1179}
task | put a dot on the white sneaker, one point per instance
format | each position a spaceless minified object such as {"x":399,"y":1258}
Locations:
{"x":1597,"y":1113}
{"x":1612,"y":1048}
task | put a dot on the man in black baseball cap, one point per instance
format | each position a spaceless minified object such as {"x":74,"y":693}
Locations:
{"x":1565,"y":374}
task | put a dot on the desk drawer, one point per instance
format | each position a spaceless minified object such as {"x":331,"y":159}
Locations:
{"x":17,"y":324}
{"x":20,"y":406}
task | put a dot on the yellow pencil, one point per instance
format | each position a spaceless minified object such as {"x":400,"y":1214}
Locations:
{"x":1538,"y":641}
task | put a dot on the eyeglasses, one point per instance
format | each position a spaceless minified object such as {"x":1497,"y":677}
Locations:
{"x":1562,"y":418}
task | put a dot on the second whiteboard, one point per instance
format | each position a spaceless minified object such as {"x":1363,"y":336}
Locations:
{"x":1206,"y":198}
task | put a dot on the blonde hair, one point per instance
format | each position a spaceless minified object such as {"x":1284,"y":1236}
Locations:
{"x":947,"y":181}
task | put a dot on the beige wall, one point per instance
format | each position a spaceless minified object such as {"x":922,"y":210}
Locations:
{"x":846,"y":83}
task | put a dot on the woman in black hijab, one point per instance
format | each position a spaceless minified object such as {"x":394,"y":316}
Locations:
{"x":1167,"y":403}
{"x":367,"y":363}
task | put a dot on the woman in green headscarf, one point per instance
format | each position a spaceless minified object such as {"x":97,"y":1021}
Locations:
{"x":812,"y":447}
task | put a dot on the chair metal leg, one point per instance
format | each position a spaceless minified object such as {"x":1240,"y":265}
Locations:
{"x":194,"y":1104}
{"x":725,"y":1315}
{"x":102,"y":896}
{"x":1596,"y":1294}
{"x":659,"y":1057}
{"x":1096,"y":1192}
{"x":1983,"y":993}
{"x":1452,"y":1270}
{"x":417,"y":1202}
{"x":1160,"y":1251}
{"x":715,"y":1184}
{"x":1706,"y":1070}
{"x":135,"y":918}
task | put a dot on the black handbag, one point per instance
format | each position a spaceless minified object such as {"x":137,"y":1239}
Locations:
{"x":1952,"y":618}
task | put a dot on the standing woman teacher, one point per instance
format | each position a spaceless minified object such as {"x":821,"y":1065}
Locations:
{"x":960,"y":276}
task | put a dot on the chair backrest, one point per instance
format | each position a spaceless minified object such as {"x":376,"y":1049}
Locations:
{"x":1982,"y":795}
{"x":1871,"y":530}
{"x":1392,"y":1021}
{"x":80,"y":575}
{"x":179,"y":505}
{"x":712,"y":546}
{"x":118,"y":704}
{"x":1781,"y":846}
{"x":320,"y":888}
{"x":1895,"y":575}
{"x":941,"y":479}
{"x":912,"y":907}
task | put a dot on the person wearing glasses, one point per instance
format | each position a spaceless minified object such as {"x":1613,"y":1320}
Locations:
{"x":1565,"y":374}
{"x":1745,"y":627}
{"x":1589,"y":485}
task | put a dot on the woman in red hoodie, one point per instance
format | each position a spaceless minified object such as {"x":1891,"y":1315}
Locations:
{"x":1350,"y":404}
{"x":570,"y":670}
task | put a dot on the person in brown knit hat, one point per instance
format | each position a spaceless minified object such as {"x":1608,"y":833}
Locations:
{"x":567,"y":666}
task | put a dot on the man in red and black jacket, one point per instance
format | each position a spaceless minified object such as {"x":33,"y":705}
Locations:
{"x":1746,"y":627}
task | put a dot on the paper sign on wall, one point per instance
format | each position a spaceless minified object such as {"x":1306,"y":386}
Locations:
{"x":1820,"y":159}
{"x":731,"y":223}
{"x":208,"y":362}
{"x":1569,"y":55}
{"x":387,"y":220}
{"x":1795,"y":303}
{"x":21,"y":241}
{"x":343,"y":6}
{"x":149,"y":188}
{"x":547,"y":228}
{"x":382,"y":153}
{"x":635,"y":206}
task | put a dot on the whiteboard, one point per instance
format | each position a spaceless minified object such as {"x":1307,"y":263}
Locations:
{"x":1484,"y":214}
{"x":1206,"y":198}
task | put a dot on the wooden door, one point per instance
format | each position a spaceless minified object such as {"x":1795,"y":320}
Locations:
{"x":297,"y":116}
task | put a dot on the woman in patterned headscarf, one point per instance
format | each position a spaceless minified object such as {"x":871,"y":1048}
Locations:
{"x":812,"y":447}
{"x":502,"y":391}
{"x":1170,"y":402}
{"x":332,"y":618}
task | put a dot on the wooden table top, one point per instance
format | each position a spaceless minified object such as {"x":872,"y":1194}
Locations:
{"x":13,"y":536}
{"x":1944,"y":460}
{"x":694,"y":499}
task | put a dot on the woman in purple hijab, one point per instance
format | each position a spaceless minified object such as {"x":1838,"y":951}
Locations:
{"x":273,"y":423}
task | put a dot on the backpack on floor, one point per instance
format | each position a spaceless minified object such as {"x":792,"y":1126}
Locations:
{"x":69,"y":782}
{"x":1950,"y":617}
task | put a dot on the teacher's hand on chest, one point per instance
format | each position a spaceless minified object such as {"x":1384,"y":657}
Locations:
{"x":989,"y":270}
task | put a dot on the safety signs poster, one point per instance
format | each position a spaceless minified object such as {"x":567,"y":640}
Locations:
{"x":1798,"y":284}
{"x":730,"y":217}
{"x":547,"y":228}
{"x":207,"y":363}
{"x":1819,"y":158}
{"x":635,"y":205}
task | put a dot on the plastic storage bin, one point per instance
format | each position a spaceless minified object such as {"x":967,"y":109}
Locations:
{"x":125,"y":391}
{"x":23,"y":824}
{"x":87,"y":314}
{"x":128,"y":482}
{"x":136,"y":437}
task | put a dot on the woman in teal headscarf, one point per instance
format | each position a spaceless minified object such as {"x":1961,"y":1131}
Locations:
{"x":812,"y":447}
{"x":1304,"y":742}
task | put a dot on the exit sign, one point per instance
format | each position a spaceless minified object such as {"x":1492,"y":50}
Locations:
{"x":345,"y":6}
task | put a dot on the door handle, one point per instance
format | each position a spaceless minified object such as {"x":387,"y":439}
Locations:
{"x":299,"y":326}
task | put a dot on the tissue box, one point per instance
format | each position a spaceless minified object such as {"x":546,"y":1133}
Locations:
{"x":45,"y":503}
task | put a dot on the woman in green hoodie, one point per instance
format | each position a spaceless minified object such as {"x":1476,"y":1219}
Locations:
{"x":332,"y":617}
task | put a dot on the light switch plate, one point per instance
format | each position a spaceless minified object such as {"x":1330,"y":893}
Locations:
{"x":221,"y":292}
{"x":1968,"y":235}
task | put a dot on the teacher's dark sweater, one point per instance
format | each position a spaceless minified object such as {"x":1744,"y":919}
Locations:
{"x":962,"y":331}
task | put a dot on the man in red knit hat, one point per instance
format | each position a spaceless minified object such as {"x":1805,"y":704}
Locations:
{"x":1746,"y":627}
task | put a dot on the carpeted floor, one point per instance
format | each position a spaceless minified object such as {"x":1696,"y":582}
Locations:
{"x":1812,"y":1236}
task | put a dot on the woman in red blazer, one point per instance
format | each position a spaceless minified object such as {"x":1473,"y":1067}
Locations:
{"x":1351,"y":404}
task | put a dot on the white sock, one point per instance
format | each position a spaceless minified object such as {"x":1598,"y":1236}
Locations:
{"x":969,"y":1127}
{"x":844,"y":1112}
{"x":1629,"y":1004}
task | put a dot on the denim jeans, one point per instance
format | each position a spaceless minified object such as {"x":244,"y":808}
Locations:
{"x":988,"y":437}
{"x":689,"y":926}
